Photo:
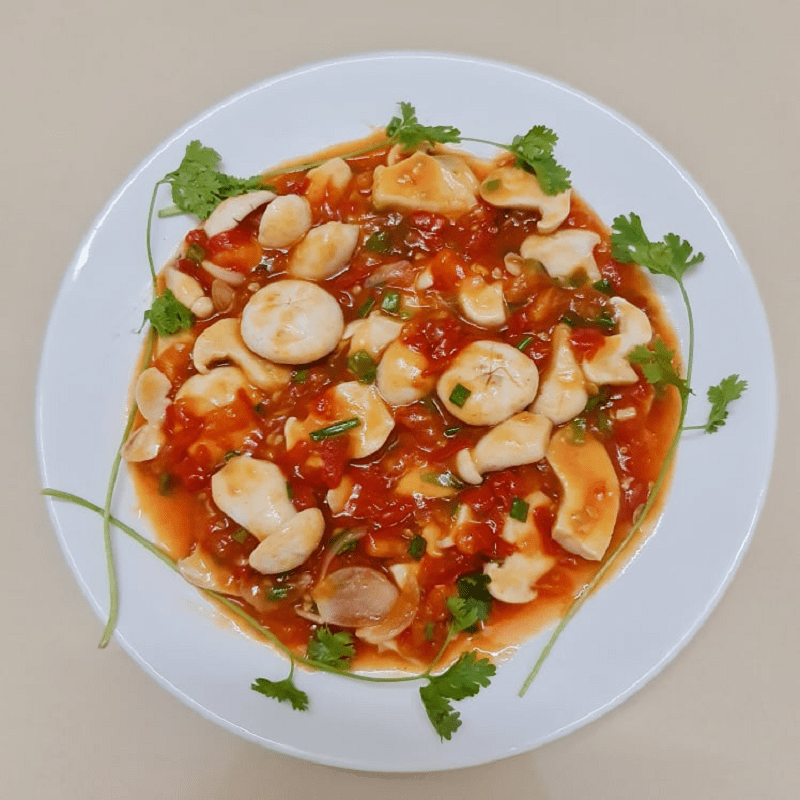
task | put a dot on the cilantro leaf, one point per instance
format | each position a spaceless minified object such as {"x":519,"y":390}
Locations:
{"x":535,"y":150}
{"x":198,"y":186}
{"x":657,"y":367}
{"x":720,"y":397}
{"x":408,"y":131}
{"x":473,"y":603}
{"x":332,"y":649}
{"x":283,"y":691}
{"x":464,"y":678}
{"x":672,"y":256}
{"x":168,"y":315}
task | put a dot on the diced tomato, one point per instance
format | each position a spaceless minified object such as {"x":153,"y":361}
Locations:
{"x":448,"y":270}
{"x":236,"y":249}
{"x":586,"y":341}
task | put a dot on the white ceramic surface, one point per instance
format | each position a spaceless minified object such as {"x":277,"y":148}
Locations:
{"x":625,"y":633}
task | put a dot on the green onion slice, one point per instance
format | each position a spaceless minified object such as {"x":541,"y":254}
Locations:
{"x":335,"y":429}
{"x":459,"y":395}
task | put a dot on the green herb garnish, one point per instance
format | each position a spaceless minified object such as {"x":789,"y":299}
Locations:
{"x":391,"y":301}
{"x":363,"y":366}
{"x":417,"y":547}
{"x":168,"y":315}
{"x":519,"y":510}
{"x":334,"y":430}
{"x":459,"y":395}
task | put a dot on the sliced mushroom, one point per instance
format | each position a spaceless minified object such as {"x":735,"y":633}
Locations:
{"x":253,"y":493}
{"x":152,"y":399}
{"x":188,"y":291}
{"x":222,"y":342}
{"x":231,"y":211}
{"x":441,"y":184}
{"x":324,"y":252}
{"x":564,"y":253}
{"x":200,"y":570}
{"x":354,"y":597}
{"x":488,"y":382}
{"x":562,"y":391}
{"x":521,"y":439}
{"x":203,"y":393}
{"x":589,"y":505}
{"x":354,"y":399}
{"x":286,"y":220}
{"x":292,"y":322}
{"x":330,"y":177}
{"x":513,"y":187}
{"x":373,"y":334}
{"x":337,"y":497}
{"x":229,"y":276}
{"x":610,"y":363}
{"x":349,"y":400}
{"x":513,"y":579}
{"x":401,"y":375}
{"x":482,"y":303}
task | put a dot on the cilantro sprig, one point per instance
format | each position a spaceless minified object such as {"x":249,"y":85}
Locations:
{"x":198,"y":186}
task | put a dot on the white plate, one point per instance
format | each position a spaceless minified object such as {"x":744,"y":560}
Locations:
{"x":623,"y":636}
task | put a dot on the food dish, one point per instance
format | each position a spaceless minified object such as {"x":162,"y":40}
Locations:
{"x":612,"y":189}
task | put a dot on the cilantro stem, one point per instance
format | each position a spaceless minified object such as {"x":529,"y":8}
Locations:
{"x":313,"y":164}
{"x":652,"y":496}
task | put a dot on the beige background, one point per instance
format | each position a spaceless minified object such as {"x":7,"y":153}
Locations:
{"x":88,"y":88}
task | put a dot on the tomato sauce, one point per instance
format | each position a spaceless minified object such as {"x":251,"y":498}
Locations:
{"x":175,"y":486}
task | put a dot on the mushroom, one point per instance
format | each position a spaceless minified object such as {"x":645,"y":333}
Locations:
{"x":152,"y":399}
{"x":521,"y":439}
{"x":292,"y":322}
{"x":488,"y":382}
{"x":204,"y":392}
{"x":610,"y":363}
{"x":332,"y":177}
{"x":286,"y":220}
{"x":562,"y":390}
{"x":512,"y":580}
{"x":324,"y":252}
{"x":252,"y":492}
{"x":349,"y":400}
{"x":231,"y":211}
{"x":373,"y":334}
{"x":441,"y":184}
{"x":589,"y":505}
{"x":222,"y":342}
{"x":564,"y":253}
{"x":401,"y":375}
{"x":482,"y":303}
{"x":188,"y":291}
{"x":513,"y":187}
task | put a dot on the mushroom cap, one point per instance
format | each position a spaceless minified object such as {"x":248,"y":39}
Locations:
{"x":292,"y":322}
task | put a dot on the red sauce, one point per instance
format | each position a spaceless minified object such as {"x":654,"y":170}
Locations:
{"x":175,"y":486}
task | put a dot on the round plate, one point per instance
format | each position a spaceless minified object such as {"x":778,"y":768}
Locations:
{"x":625,"y":633}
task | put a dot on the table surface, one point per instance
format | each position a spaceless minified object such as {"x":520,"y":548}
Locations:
{"x":88,"y":89}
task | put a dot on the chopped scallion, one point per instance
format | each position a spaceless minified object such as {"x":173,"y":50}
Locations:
{"x":525,"y":343}
{"x":362,"y":365}
{"x":334,"y":430}
{"x":604,"y":286}
{"x":365,"y":308}
{"x":417,"y":547}
{"x":578,"y":430}
{"x":300,"y":376}
{"x":391,"y":301}
{"x":492,"y":185}
{"x":459,"y":395}
{"x":195,"y":253}
{"x":239,"y":535}
{"x":449,"y":433}
{"x":379,"y":242}
{"x":519,"y":510}
{"x":444,"y":479}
